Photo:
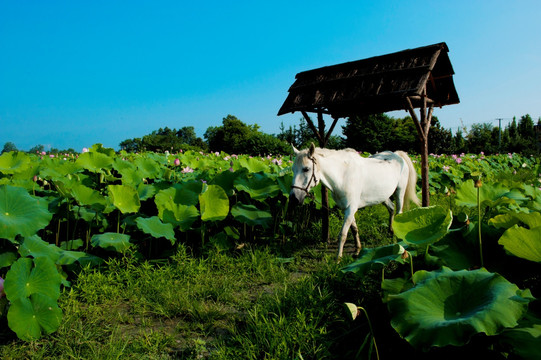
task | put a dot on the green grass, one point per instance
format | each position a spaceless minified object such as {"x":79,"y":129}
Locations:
{"x":260,"y":302}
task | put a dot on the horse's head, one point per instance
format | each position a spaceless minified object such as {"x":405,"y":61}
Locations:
{"x":305,"y":174}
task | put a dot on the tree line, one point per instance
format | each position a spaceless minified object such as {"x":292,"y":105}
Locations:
{"x":371,"y":133}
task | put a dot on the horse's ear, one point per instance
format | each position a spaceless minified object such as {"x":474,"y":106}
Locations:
{"x":295,"y":151}
{"x":312,"y":149}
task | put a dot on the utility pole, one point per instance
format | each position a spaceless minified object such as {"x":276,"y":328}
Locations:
{"x":500,"y":132}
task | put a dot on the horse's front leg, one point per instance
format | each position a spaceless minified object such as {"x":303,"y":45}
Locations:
{"x":355,"y":231}
{"x":349,"y":218}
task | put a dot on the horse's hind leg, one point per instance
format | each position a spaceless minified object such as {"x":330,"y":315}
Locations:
{"x":355,"y":231}
{"x":349,"y":218}
{"x":390,"y":206}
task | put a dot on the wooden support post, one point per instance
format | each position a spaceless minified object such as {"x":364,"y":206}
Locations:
{"x":423,"y":127}
{"x":325,"y":233}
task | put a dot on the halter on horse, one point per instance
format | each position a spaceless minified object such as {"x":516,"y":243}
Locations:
{"x":355,"y":182}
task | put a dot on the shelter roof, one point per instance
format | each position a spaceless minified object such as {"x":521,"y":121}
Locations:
{"x":375,"y":85}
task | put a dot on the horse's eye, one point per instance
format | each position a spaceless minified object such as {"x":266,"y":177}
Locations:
{"x":305,"y":169}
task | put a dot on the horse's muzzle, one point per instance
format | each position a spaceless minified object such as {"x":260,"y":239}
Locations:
{"x":295,"y":199}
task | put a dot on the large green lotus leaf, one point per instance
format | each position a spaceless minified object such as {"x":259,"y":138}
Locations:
{"x":251,"y":215}
{"x":522,"y":242}
{"x":30,"y":317}
{"x":509,"y":219}
{"x":98,"y":148}
{"x":14,"y":162}
{"x":254,"y":165}
{"x":95,"y":161}
{"x":284,"y":183}
{"x":125,"y":198}
{"x":489,"y":194}
{"x":87,"y":196}
{"x":23,"y":279}
{"x":148,"y":167}
{"x":423,"y":225}
{"x":180,"y":215}
{"x":448,"y":307}
{"x":259,"y":186}
{"x":145,"y":191}
{"x":118,"y":242}
{"x":524,"y":340}
{"x":55,"y":170}
{"x":68,"y":257}
{"x":34,"y":246}
{"x":129,"y":172}
{"x":7,"y":258}
{"x":376,"y":258}
{"x":214,"y":203}
{"x":172,"y":208}
{"x":226,"y":180}
{"x":186,"y":193}
{"x":154,"y":227}
{"x":456,"y":250}
{"x":21,"y":213}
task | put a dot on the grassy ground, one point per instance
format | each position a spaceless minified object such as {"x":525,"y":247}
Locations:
{"x":260,"y":302}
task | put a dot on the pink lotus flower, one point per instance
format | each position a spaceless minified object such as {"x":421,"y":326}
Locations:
{"x":458,"y":160}
{"x":187,"y":169}
{"x":177,"y":162}
{"x":85,"y":149}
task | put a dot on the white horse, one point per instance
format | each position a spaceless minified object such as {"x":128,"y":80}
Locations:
{"x":355,"y":182}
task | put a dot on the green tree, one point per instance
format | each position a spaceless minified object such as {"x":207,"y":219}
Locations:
{"x":9,"y":146}
{"x":236,"y":137}
{"x":371,"y":133}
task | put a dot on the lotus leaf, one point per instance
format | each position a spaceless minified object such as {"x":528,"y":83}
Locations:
{"x":125,"y":198}
{"x":448,"y":307}
{"x":524,"y":339}
{"x":254,"y":165}
{"x":145,"y":191}
{"x":21,"y":213}
{"x":118,"y":242}
{"x":376,"y":258}
{"x":423,"y":226}
{"x":214,"y":203}
{"x":23,"y":279}
{"x":489,"y":194}
{"x":172,"y":208}
{"x":225,"y":180}
{"x":251,"y":215}
{"x":153,"y":226}
{"x":34,"y":246}
{"x":14,"y":162}
{"x":98,"y":148}
{"x":259,"y":186}
{"x":95,"y":161}
{"x":522,"y":242}
{"x":148,"y":167}
{"x":87,"y":196}
{"x":30,"y":317}
{"x":509,"y":219}
{"x":7,"y":258}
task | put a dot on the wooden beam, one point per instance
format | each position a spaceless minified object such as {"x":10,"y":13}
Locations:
{"x":311,"y":126}
{"x":422,"y":129}
{"x":335,"y":120}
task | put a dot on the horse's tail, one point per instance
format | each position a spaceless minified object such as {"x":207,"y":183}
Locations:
{"x":411,"y":189}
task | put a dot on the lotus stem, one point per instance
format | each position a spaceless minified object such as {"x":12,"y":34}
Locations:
{"x":479,"y":224}
{"x":371,"y":330}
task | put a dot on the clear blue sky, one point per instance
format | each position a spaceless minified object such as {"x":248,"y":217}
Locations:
{"x":75,"y":73}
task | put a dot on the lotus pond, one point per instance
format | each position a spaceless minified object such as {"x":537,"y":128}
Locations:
{"x":461,"y":276}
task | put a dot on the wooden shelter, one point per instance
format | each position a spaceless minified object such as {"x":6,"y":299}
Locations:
{"x":415,"y":78}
